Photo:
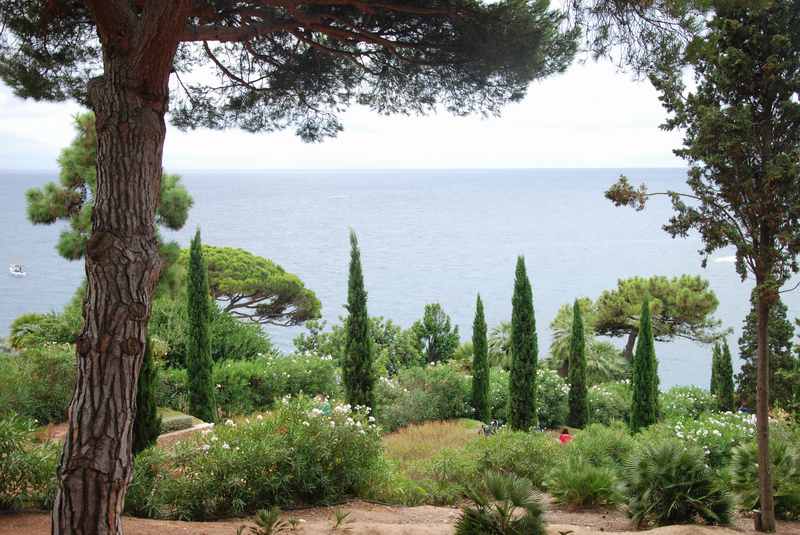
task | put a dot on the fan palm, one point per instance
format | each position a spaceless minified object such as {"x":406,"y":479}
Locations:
{"x":508,"y":505}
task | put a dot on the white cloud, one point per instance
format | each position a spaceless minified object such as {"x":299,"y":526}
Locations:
{"x":592,"y":116}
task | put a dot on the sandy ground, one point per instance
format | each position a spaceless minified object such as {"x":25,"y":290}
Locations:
{"x":371,"y":519}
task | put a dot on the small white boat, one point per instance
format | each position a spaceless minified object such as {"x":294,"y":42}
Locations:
{"x":16,"y":270}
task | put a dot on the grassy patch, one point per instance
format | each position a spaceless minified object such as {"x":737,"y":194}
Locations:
{"x":414,"y":454}
{"x":412,"y":445}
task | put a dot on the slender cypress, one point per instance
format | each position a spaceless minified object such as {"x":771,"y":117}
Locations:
{"x":480,"y":365}
{"x":725,"y":396}
{"x":644,"y":410}
{"x":578,"y":395}
{"x":524,"y":354}
{"x":199,"y":364}
{"x":357,"y":368}
{"x":715,"y":359}
{"x":147,"y":423}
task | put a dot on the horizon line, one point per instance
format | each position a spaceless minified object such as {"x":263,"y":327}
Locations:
{"x":367,"y":169}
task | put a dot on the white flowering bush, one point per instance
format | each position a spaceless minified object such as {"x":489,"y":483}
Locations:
{"x":686,"y":402}
{"x":245,"y":386}
{"x":306,"y":451}
{"x":609,"y":402}
{"x":552,"y":394}
{"x":716,"y":434}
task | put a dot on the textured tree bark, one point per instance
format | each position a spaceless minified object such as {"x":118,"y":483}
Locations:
{"x":629,"y":345}
{"x":765,"y":521}
{"x":122,"y":268}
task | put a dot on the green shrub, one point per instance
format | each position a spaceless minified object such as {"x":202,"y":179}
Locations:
{"x":505,"y":505}
{"x":38,"y":382}
{"x":669,"y":482}
{"x":13,"y":386}
{"x":27,"y":470}
{"x":243,"y":387}
{"x":785,"y":458}
{"x":417,"y":394}
{"x":601,"y":445}
{"x":579,"y":483}
{"x":686,"y":402}
{"x":610,"y":402}
{"x":172,"y":390}
{"x":295,"y":454}
{"x":148,"y":468}
{"x":447,"y":476}
{"x":528,"y":455}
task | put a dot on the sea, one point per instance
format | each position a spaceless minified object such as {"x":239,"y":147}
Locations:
{"x":427,"y":236}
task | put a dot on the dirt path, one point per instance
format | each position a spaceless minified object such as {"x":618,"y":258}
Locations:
{"x":371,"y":519}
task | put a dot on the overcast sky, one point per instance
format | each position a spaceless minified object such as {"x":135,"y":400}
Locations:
{"x":591,"y":116}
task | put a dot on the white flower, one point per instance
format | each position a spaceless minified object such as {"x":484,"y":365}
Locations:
{"x":205,"y":447}
{"x":306,"y":423}
{"x":214,"y":438}
{"x":371,"y":419}
{"x":259,"y":417}
{"x":230,"y":423}
{"x":225,"y":446}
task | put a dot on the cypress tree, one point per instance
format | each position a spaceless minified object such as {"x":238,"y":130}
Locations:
{"x":524,"y":353}
{"x":780,"y":349}
{"x":578,"y":400}
{"x":357,"y":368}
{"x":644,"y":410}
{"x":715,"y":358}
{"x":725,"y":387}
{"x":147,"y":423}
{"x":480,"y":365}
{"x":199,"y":364}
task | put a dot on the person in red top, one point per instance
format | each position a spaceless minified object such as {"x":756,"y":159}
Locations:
{"x":565,"y":436}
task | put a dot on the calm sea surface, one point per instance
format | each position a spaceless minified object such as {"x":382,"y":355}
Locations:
{"x":426,"y":236}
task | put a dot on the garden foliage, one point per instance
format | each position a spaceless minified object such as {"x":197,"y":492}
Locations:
{"x":302,"y":452}
{"x":27,"y":469}
{"x":243,"y":387}
{"x":669,"y":482}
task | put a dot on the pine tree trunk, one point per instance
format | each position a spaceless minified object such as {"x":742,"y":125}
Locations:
{"x":122,"y":268}
{"x":766,"y":520}
{"x":630,"y":345}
